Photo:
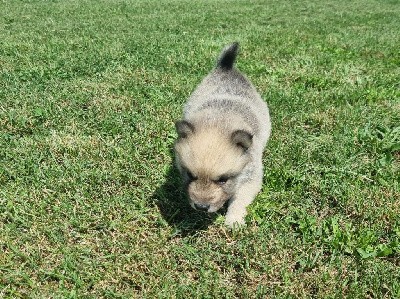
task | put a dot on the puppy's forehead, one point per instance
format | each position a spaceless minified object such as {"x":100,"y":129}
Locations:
{"x":211,"y":153}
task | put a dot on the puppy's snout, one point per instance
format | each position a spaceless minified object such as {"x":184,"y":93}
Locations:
{"x":201,"y":207}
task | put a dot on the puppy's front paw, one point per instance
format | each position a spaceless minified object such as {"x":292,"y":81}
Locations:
{"x":234,"y":219}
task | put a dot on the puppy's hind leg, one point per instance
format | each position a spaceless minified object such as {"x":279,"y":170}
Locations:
{"x":237,"y":207}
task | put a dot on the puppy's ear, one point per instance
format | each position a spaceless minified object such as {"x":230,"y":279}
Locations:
{"x":184,"y":128}
{"x":242,"y":139}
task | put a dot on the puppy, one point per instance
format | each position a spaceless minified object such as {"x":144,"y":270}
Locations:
{"x":221,"y":138}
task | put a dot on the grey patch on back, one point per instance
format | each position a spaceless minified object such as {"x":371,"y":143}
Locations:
{"x":229,"y":92}
{"x":227,"y":106}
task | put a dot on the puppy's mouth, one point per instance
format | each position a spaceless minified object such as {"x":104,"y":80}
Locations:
{"x":207,"y":208}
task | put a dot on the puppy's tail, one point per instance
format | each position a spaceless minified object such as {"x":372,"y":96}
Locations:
{"x":228,"y":57}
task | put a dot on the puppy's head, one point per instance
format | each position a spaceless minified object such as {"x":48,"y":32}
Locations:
{"x":210,"y":161}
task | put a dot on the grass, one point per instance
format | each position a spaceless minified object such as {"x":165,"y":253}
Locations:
{"x":90,"y":203}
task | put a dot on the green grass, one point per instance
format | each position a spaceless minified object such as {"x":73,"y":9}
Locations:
{"x":90,"y":203}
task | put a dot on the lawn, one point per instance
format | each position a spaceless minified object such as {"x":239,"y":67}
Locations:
{"x":91,"y":205}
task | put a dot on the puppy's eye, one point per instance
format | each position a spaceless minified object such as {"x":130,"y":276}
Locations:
{"x":191,"y":176}
{"x":222,"y":180}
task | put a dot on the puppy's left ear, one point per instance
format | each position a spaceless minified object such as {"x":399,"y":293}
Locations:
{"x":242,"y":139}
{"x":184,"y":128}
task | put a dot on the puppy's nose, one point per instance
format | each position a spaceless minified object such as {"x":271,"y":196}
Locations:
{"x":201,"y":207}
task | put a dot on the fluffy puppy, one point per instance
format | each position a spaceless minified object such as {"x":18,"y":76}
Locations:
{"x":221,"y":138}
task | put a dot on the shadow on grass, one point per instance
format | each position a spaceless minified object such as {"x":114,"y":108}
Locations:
{"x":173,"y":204}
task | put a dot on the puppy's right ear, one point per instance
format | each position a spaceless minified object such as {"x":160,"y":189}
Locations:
{"x":184,"y":128}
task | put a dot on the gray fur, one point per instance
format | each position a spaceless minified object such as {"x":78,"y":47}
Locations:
{"x":226,"y":101}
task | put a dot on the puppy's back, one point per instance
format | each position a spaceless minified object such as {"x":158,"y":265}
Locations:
{"x":227,"y":98}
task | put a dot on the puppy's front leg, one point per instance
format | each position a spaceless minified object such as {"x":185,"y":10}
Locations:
{"x":237,"y":207}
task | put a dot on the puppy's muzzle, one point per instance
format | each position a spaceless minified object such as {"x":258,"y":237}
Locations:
{"x":202,"y":207}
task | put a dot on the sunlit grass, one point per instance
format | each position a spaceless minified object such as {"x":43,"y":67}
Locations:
{"x":90,"y":202}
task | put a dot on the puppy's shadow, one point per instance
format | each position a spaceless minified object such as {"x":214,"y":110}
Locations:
{"x":172,"y":201}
